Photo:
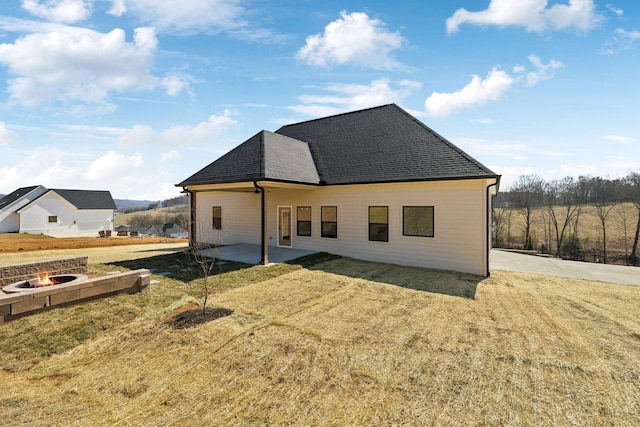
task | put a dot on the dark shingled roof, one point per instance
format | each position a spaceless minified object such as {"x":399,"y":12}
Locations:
{"x":381,"y":144}
{"x":266,"y":156}
{"x":88,"y":199}
{"x":10,"y":198}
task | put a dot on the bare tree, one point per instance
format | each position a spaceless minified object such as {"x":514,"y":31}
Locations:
{"x":205,"y":255}
{"x":527,"y":194}
{"x":603,"y":204}
{"x":632,"y":181}
{"x":499,"y":214}
{"x":563,"y":206}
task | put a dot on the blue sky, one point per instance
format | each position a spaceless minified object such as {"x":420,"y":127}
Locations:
{"x":133,"y":96}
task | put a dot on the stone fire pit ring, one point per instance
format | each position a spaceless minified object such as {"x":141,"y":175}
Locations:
{"x":26,"y":286}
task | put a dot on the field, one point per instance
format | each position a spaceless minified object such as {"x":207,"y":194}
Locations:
{"x":589,"y":231}
{"x":331,"y":341}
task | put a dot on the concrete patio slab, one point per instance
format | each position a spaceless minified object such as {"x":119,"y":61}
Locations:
{"x":252,"y":254}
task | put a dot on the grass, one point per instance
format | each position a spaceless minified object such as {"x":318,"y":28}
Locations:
{"x":22,"y":242}
{"x":332,"y":341}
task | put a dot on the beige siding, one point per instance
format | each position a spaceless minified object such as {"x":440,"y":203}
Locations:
{"x":459,"y":241}
{"x":240,"y":217}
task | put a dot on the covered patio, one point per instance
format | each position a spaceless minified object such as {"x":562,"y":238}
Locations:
{"x":252,"y":254}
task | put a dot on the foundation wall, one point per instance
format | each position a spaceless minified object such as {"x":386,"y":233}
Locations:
{"x":17,"y":273}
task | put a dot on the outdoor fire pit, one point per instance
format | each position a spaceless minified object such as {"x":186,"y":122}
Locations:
{"x":44,"y":280}
{"x":32,"y":295}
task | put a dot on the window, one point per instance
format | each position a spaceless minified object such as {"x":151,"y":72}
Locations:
{"x":304,"y":220}
{"x":417,"y":221}
{"x":217,"y":217}
{"x":329,"y":221}
{"x":379,"y":223}
{"x":53,"y":218}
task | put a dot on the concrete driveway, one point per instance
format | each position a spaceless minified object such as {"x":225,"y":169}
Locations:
{"x":503,"y":260}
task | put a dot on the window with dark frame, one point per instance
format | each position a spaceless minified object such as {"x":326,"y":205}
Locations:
{"x":304,"y":220}
{"x":329,"y":221}
{"x":418,"y":221}
{"x":53,"y":218}
{"x":379,"y":223}
{"x":217,"y":217}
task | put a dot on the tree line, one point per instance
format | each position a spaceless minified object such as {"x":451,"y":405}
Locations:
{"x":561,"y":203}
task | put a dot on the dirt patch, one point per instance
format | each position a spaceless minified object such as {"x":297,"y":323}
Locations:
{"x":191,"y":315}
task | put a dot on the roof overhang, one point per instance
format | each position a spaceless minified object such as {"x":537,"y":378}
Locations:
{"x":248,"y":186}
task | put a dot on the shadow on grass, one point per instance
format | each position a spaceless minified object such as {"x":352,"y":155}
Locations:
{"x":181,"y":267}
{"x":443,"y":282}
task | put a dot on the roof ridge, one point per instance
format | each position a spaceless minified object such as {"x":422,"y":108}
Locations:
{"x":336,"y":115}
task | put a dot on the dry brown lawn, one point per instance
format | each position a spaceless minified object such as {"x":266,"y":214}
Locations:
{"x":21,"y":242}
{"x":343,"y":343}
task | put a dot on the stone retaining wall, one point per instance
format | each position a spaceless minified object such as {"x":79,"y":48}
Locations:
{"x":19,"y":304}
{"x":17,"y":273}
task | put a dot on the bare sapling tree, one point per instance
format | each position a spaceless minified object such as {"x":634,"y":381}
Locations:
{"x":205,"y":256}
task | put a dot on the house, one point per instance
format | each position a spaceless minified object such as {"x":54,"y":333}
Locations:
{"x":375,"y":184}
{"x":169,"y":229}
{"x":56,"y":212}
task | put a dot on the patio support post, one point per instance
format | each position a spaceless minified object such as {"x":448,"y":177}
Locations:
{"x":263,"y":220}
{"x":192,"y":217}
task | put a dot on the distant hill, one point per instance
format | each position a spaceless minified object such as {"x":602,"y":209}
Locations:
{"x":133,"y":204}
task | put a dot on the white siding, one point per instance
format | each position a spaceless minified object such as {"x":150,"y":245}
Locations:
{"x":459,"y":241}
{"x":71,"y":221}
{"x":9,"y":219}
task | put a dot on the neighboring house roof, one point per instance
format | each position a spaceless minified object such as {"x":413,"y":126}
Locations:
{"x":381,"y":144}
{"x":16,"y":195}
{"x":81,"y":199}
{"x":88,"y":199}
{"x":166,"y":229}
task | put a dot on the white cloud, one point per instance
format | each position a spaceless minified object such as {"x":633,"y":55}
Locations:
{"x":622,"y":40}
{"x":615,"y":10}
{"x":185,"y":17}
{"x":491,"y":88}
{"x":170,"y":155}
{"x":118,"y":8}
{"x":112,"y":165}
{"x":350,"y":97}
{"x":619,"y":138}
{"x":476,"y":92}
{"x":353,"y":39}
{"x":179,"y":135}
{"x":82,"y":65}
{"x":66,"y":11}
{"x":533,"y":15}
{"x":6,"y":135}
{"x":542,"y":71}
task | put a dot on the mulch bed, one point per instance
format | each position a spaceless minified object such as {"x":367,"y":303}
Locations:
{"x":194,"y":317}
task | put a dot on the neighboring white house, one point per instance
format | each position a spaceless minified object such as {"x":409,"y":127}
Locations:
{"x":374,"y":184}
{"x":169,"y":229}
{"x":57,"y":212}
